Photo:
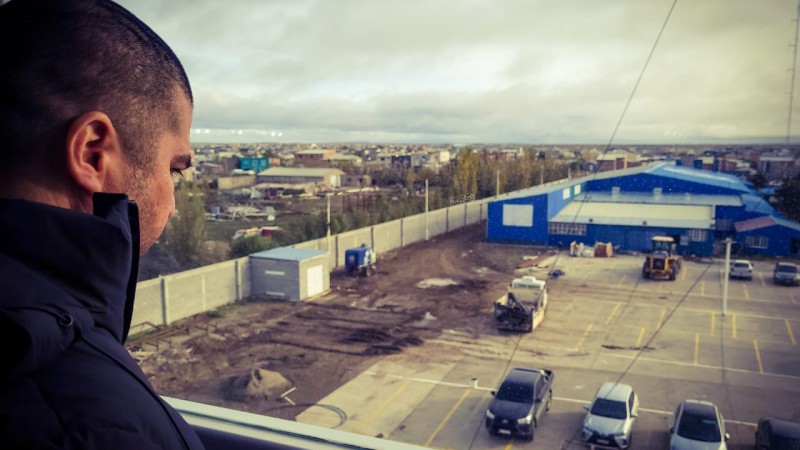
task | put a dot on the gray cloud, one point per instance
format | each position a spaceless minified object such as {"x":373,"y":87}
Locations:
{"x":483,"y":71}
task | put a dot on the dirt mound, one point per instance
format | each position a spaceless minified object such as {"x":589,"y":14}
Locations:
{"x":256,"y":384}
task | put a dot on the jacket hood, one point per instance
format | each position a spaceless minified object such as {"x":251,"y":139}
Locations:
{"x":61,"y":273}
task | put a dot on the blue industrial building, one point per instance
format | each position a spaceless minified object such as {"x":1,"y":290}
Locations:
{"x":257,"y":165}
{"x":628,"y":207}
{"x":769,"y":235}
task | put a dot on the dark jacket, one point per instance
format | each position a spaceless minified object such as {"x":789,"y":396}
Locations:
{"x":67,"y":282}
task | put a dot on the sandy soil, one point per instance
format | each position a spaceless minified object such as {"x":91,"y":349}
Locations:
{"x":419,"y":291}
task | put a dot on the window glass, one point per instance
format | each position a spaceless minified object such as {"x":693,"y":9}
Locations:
{"x":609,"y":408}
{"x":515,"y":392}
{"x":699,"y":428}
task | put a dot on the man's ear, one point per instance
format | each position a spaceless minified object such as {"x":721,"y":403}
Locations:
{"x":94,"y":153}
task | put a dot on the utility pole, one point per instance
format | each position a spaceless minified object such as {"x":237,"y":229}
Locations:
{"x":726,"y":275}
{"x":328,"y":222}
{"x":427,"y":235}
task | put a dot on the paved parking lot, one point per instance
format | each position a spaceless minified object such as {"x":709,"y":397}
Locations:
{"x":668,"y":339}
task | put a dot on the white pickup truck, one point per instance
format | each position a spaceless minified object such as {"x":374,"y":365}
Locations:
{"x":523,"y":307}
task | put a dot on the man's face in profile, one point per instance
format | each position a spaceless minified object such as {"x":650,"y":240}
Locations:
{"x":154,"y":191}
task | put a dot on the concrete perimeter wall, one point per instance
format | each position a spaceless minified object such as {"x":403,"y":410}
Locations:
{"x":164,"y":300}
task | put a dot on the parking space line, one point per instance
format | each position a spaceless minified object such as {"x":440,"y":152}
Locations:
{"x":569,"y":307}
{"x":447,"y":418}
{"x":761,"y":276}
{"x":586,"y":333}
{"x":746,"y":292}
{"x":789,"y":329}
{"x":613,"y":311}
{"x":696,"y":347}
{"x":733,"y":325}
{"x":683,"y":274}
{"x":661,"y":319}
{"x":713,"y":319}
{"x":758,"y":356}
{"x":622,"y":280}
{"x":701,"y":366}
{"x":638,"y":347}
{"x":383,"y":405}
{"x":508,"y":447}
{"x":794,"y":300}
{"x":702,"y":288}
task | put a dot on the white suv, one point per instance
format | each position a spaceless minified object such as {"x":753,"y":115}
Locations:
{"x":610,"y":418}
{"x":741,"y":268}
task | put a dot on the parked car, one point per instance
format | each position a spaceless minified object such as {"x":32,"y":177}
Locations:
{"x":786,"y":273}
{"x":520,"y":402}
{"x":741,"y":268}
{"x":698,"y":425}
{"x":611,"y":415}
{"x":776,"y":434}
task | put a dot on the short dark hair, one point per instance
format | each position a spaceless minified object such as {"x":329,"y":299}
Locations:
{"x":62,"y":58}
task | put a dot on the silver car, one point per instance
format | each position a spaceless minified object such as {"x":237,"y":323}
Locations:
{"x":611,"y":415}
{"x":698,"y":425}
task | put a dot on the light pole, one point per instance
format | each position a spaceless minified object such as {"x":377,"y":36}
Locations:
{"x":725,"y":273}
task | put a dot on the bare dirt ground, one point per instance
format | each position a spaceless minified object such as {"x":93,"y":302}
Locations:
{"x":447,"y":283}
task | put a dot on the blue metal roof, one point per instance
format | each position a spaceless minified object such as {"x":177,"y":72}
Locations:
{"x":541,"y":189}
{"x":757,"y":204}
{"x":663,"y":199}
{"x":288,"y":254}
{"x":691,"y":174}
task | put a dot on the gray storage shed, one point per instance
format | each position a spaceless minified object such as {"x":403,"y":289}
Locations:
{"x":290,"y":273}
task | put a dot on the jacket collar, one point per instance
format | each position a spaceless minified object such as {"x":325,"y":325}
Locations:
{"x":92,"y":258}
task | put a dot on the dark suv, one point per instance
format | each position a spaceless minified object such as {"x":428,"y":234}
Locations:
{"x":519,"y":404}
{"x":776,"y":434}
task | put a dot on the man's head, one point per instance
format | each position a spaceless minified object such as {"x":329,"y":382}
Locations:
{"x":91,"y":100}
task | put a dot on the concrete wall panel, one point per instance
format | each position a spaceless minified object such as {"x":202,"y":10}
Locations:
{"x":147,"y":311}
{"x":437,"y":222}
{"x":414,"y":229}
{"x":473,"y":212}
{"x":387,"y":236}
{"x":455,"y":216}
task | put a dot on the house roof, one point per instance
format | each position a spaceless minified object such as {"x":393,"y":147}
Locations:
{"x":765,"y":222}
{"x":300,"y":172}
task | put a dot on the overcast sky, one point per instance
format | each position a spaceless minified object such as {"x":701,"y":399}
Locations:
{"x":473,"y":71}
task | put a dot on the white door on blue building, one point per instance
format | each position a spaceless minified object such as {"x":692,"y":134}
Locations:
{"x":314,"y":282}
